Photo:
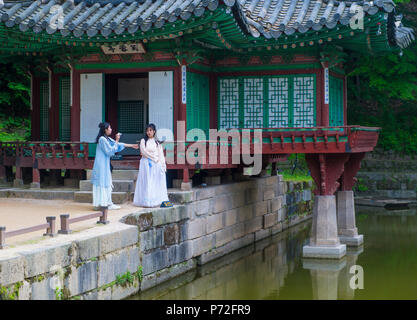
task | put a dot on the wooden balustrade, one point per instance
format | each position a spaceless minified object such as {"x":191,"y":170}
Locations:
{"x":274,"y":141}
{"x":50,"y":226}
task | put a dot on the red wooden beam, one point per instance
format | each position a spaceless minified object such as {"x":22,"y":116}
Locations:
{"x":35,"y":114}
{"x":76,"y":106}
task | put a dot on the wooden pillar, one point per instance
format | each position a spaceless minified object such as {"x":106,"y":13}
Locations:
{"x":35,"y":107}
{"x":326,"y":95}
{"x":53,"y":105}
{"x":18,"y":181}
{"x":345,"y":122}
{"x":213,"y":101}
{"x":183,"y":98}
{"x":186,"y":183}
{"x":3,"y":178}
{"x":177,"y":98}
{"x":111,"y":88}
{"x":36,"y":177}
{"x":75,"y":104}
{"x":319,"y":96}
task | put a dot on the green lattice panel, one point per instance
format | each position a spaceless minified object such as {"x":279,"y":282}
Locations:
{"x":198,"y":102}
{"x":304,"y":101}
{"x":267,"y":101}
{"x":228,"y":95}
{"x":253,"y":103}
{"x":131,"y":116}
{"x":44,"y":111}
{"x":278,"y":102}
{"x":64,"y":109}
{"x":336,"y":102}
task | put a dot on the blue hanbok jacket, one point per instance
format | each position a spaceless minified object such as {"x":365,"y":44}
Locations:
{"x":106,"y":148}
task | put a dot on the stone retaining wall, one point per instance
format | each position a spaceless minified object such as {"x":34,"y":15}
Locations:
{"x":149,"y":247}
{"x":387,"y":175}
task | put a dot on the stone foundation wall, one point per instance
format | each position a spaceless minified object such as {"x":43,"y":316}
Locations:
{"x":387,"y":175}
{"x":149,"y":247}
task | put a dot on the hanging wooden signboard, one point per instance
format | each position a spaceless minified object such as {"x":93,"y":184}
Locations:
{"x":125,"y":48}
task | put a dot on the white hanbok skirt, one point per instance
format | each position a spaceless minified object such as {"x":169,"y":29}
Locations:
{"x":151,"y":186}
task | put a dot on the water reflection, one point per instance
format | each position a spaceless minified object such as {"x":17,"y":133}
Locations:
{"x":274,"y":269}
{"x":257,"y":271}
{"x":331,"y":278}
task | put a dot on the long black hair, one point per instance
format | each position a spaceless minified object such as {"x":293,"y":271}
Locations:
{"x":102,"y":132}
{"x":153,"y":127}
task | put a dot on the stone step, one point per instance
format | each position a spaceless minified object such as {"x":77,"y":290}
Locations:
{"x":87,"y":197}
{"x":119,"y":174}
{"x":389,"y":165}
{"x":119,"y":185}
{"x":390,"y":204}
{"x":40,"y":194}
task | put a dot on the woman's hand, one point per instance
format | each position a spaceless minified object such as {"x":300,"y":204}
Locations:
{"x":134,"y":146}
{"x":118,"y":137}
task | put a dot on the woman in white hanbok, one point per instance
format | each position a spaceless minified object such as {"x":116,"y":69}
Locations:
{"x":151,"y":186}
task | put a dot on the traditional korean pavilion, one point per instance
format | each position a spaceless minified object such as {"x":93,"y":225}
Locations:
{"x":270,"y":64}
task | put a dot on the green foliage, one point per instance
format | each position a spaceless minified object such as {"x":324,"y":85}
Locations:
{"x":124,"y":278}
{"x":382,"y":92}
{"x":59,"y":293}
{"x":298,"y":171}
{"x":14,"y":129}
{"x":360,"y":186}
{"x":14,"y":91}
{"x":140,"y":273}
{"x":11,"y":292}
{"x":14,"y":103}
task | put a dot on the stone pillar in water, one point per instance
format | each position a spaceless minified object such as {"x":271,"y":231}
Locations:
{"x":346,"y":223}
{"x":324,"y":240}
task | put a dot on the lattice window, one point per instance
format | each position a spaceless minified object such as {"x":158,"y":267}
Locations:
{"x":44,"y":111}
{"x":229,"y":103}
{"x":131,"y":116}
{"x":267,"y":101}
{"x":304,"y":101}
{"x":278,"y":102}
{"x":336,"y":102}
{"x":253,"y":103}
{"x":64,"y":109}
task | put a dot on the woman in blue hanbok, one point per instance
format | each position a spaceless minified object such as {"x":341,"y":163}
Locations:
{"x":151,"y":186}
{"x":101,"y":176}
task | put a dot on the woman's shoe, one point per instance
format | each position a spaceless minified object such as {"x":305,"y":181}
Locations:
{"x":166,"y":204}
{"x":114,"y":207}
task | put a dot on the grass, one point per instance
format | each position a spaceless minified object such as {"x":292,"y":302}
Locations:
{"x":297,"y":176}
{"x":14,"y":132}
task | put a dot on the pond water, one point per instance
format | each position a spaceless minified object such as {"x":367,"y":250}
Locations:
{"x":274,"y":268}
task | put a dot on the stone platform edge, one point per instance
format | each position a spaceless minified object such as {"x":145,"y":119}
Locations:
{"x":149,"y":247}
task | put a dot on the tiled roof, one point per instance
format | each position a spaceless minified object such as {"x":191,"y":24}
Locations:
{"x":274,"y":18}
{"x":267,"y":18}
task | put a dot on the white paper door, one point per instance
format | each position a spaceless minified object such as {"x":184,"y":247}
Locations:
{"x":161,"y":97}
{"x":91,"y":105}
